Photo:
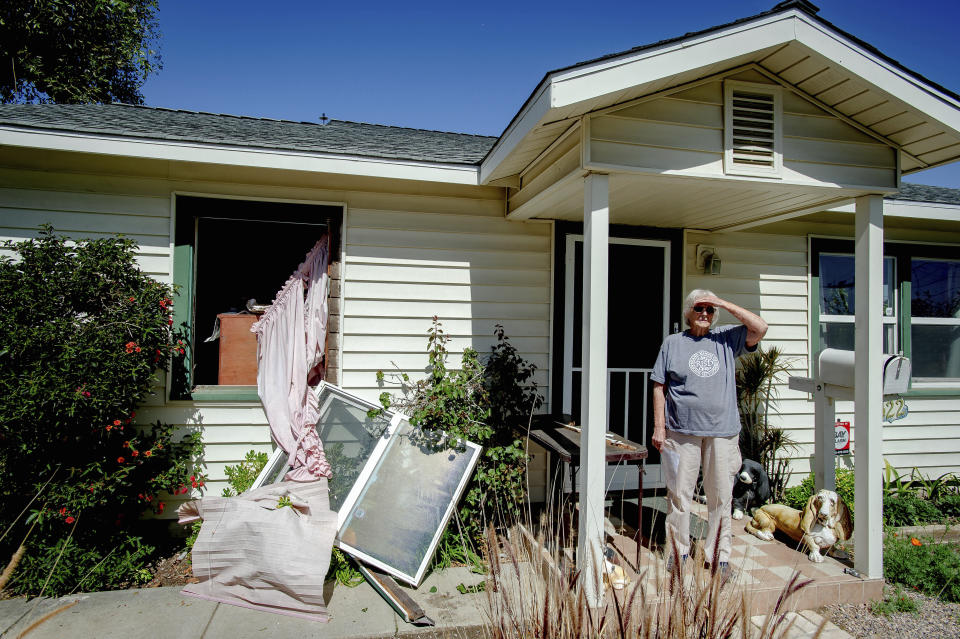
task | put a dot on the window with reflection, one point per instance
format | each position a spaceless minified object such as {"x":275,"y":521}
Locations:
{"x":921,"y":304}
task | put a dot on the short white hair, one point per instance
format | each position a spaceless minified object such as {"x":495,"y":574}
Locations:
{"x":691,"y":299}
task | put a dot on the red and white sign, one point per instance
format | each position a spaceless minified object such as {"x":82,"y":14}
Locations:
{"x":842,"y":438}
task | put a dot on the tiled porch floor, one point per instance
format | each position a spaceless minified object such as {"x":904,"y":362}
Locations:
{"x":763,"y":568}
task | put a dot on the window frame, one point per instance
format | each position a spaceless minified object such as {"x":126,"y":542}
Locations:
{"x":184,"y":272}
{"x":903,"y":252}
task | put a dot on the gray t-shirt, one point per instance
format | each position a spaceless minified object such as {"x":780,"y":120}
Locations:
{"x":699,"y":375}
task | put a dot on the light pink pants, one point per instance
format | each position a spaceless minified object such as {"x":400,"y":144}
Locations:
{"x":681,"y":457}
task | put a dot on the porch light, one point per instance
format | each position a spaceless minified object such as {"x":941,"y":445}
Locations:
{"x":708,"y":261}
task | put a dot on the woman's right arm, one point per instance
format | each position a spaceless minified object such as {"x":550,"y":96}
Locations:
{"x":659,"y":416}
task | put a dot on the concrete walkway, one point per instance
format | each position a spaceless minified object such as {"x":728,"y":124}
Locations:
{"x":163,"y":613}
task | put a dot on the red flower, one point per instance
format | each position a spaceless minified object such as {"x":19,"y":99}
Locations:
{"x":130,"y":346}
{"x":86,"y":393}
{"x":148,"y":453}
{"x":63,"y":511}
{"x":108,"y":427}
{"x":135,"y":454}
{"x":137,"y":349}
{"x":91,"y":488}
{"x":120,"y":460}
{"x":200,"y":483}
{"x":149,"y":498}
{"x":116,"y":422}
{"x":131,"y":299}
{"x":69,"y":520}
{"x":170,"y":322}
{"x":915,"y":541}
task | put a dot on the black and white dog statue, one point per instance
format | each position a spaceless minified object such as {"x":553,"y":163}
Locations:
{"x":751,"y":488}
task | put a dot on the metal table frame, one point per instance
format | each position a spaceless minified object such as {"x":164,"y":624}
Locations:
{"x":563,"y":440}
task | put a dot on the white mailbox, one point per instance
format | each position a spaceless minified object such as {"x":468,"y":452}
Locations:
{"x":836,"y":381}
{"x":838,"y":368}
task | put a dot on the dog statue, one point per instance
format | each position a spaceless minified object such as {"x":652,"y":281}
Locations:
{"x":751,"y":489}
{"x":824,"y":521}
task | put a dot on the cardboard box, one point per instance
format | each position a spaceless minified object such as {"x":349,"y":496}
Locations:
{"x":238,"y":350}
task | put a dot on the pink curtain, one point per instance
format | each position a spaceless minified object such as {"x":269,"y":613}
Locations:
{"x":291,"y":337}
{"x":252,"y":552}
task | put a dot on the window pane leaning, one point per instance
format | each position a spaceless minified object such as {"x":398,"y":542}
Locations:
{"x":935,"y":310}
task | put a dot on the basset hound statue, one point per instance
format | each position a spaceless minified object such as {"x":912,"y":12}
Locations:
{"x":823,"y":522}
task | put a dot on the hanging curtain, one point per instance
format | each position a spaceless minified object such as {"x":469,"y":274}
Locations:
{"x":252,"y":551}
{"x":291,"y":337}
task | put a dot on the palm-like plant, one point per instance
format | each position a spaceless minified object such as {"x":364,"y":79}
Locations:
{"x":757,"y":395}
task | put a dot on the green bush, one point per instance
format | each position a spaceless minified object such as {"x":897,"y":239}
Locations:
{"x":83,"y":333}
{"x":797,"y":496}
{"x":929,"y":567}
{"x":949,"y":506}
{"x":242,"y":476}
{"x":909,"y":510}
{"x":487,"y":402}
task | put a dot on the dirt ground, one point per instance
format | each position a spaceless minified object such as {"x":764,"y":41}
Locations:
{"x":173,"y":570}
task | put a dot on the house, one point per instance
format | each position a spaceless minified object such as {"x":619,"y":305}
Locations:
{"x":774,"y":145}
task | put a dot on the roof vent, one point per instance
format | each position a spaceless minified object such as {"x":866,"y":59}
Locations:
{"x":752,"y":129}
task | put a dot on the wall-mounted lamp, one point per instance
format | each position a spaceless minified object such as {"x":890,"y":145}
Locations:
{"x":708,"y":261}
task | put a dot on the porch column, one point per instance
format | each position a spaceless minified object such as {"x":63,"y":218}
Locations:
{"x":868,"y":394}
{"x":593,"y":412}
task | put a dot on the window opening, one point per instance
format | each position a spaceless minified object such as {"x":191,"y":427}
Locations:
{"x":238,"y":250}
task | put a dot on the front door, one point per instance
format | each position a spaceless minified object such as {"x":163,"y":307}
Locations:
{"x":638,"y":320}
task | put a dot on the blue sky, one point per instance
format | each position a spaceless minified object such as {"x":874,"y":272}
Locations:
{"x":467,"y":67}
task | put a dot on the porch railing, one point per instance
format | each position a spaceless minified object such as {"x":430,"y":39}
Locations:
{"x":622,"y":385}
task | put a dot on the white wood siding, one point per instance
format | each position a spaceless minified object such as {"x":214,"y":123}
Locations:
{"x":403,"y":267}
{"x":683,"y":133}
{"x":766,"y":272}
{"x":413,"y":251}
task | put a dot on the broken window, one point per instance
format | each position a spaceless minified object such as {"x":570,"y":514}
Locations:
{"x":393,"y":487}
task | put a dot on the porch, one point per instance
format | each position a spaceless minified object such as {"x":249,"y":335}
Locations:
{"x":762,"y":568}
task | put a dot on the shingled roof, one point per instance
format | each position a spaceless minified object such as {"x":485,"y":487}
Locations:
{"x":924,"y":193}
{"x":337,"y":136}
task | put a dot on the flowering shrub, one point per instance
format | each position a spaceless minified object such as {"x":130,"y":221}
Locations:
{"x":488,"y":401}
{"x":83,"y":333}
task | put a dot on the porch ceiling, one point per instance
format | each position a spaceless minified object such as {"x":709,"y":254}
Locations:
{"x":839,"y":72}
{"x":687,"y":202}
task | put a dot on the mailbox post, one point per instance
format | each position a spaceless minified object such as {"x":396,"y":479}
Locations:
{"x":837,"y":373}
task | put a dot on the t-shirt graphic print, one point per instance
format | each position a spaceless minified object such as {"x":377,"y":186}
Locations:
{"x":704,"y":364}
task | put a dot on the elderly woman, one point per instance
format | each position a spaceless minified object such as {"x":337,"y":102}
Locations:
{"x":695,"y":416}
